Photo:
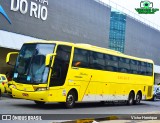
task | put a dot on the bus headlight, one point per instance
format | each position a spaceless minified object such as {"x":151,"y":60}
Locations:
{"x":12,"y":86}
{"x":42,"y":89}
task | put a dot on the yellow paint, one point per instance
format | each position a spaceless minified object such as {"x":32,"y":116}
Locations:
{"x":88,"y":81}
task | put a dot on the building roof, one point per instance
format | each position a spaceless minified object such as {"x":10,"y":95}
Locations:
{"x":12,"y":40}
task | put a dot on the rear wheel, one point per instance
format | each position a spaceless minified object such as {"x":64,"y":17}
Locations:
{"x":39,"y":103}
{"x":130,"y":98}
{"x":154,"y":98}
{"x":102,"y":102}
{"x":70,"y":100}
{"x":138,"y":98}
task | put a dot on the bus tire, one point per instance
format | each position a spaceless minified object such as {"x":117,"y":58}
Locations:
{"x":102,"y":102}
{"x":154,"y":98}
{"x":0,"y":93}
{"x":70,"y":100}
{"x":130,"y":98}
{"x":138,"y":98}
{"x":10,"y":96}
{"x":39,"y":103}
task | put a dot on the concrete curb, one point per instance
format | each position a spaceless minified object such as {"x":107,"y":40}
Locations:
{"x":91,"y":120}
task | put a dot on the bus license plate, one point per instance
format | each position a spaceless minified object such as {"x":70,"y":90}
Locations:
{"x":25,"y":94}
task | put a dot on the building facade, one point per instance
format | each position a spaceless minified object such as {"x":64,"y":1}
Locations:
{"x":78,"y":21}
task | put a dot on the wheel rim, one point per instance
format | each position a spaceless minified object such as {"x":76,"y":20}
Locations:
{"x":131,"y":98}
{"x":70,"y":99}
{"x":138,"y":98}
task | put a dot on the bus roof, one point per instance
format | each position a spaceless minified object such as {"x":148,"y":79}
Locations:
{"x":93,"y":48}
{"x":50,"y":42}
{"x":109,"y":51}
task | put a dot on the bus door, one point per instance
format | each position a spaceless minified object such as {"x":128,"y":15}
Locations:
{"x":80,"y":74}
{"x":59,"y":71}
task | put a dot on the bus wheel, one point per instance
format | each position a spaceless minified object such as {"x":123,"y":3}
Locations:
{"x":39,"y":103}
{"x":70,"y":100}
{"x":102,"y":103}
{"x":130,"y":99}
{"x":0,"y":94}
{"x":10,"y":96}
{"x":154,"y":98}
{"x":138,"y":98}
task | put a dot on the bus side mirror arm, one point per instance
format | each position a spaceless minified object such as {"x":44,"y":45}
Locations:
{"x":48,"y":59}
{"x":8,"y":57}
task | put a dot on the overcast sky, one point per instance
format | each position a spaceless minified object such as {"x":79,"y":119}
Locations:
{"x":132,"y":4}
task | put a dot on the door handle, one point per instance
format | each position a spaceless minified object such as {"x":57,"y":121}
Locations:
{"x":76,"y":68}
{"x":78,"y":76}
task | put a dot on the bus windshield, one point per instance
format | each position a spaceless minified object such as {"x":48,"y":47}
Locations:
{"x":30,"y":65}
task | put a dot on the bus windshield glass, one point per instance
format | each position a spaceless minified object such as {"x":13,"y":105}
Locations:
{"x":30,"y":65}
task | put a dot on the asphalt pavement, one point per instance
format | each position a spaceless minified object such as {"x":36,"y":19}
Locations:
{"x":57,"y":113}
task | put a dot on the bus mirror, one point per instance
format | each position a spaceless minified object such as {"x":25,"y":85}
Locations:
{"x":8,"y":57}
{"x":48,"y":58}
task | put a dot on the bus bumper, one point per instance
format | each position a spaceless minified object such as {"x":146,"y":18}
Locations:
{"x":9,"y":89}
{"x":36,"y":96}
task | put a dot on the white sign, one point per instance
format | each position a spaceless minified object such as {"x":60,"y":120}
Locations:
{"x":38,"y":10}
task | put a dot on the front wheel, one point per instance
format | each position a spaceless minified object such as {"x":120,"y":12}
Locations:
{"x":10,"y":96}
{"x":70,"y":100}
{"x":39,"y":103}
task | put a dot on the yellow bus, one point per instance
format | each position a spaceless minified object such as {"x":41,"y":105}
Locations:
{"x":55,"y":71}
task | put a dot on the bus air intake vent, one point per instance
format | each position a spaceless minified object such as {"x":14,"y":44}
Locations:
{"x":149,"y":91}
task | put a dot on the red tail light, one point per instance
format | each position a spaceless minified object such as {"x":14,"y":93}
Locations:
{"x":2,"y":83}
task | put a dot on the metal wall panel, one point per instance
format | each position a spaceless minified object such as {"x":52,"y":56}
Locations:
{"x":84,"y":21}
{"x":3,"y":66}
{"x":142,"y":40}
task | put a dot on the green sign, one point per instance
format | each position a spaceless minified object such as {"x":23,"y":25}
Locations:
{"x":146,"y":7}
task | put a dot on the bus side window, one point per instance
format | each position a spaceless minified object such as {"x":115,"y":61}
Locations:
{"x":149,"y":69}
{"x":124,"y":65}
{"x":143,"y":68}
{"x":80,"y":58}
{"x":111,"y":63}
{"x":134,"y":66}
{"x":97,"y":61}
